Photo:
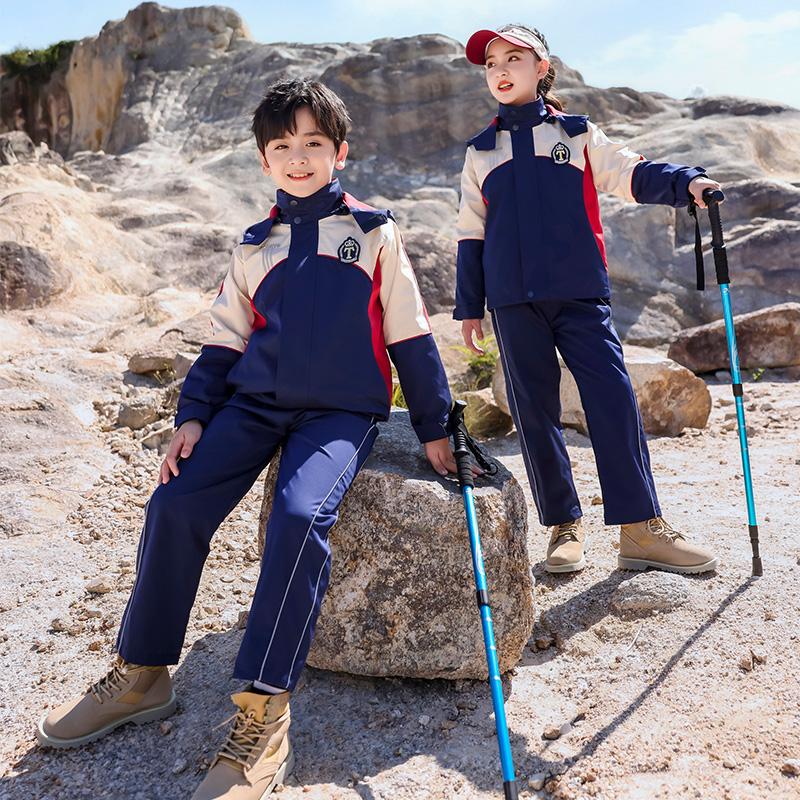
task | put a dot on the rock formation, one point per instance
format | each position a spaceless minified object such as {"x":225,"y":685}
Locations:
{"x":766,"y":338}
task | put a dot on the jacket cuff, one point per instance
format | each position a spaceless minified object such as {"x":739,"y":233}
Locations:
{"x":682,"y":190}
{"x":471,"y":311}
{"x":431,"y":431}
{"x":202,"y":412}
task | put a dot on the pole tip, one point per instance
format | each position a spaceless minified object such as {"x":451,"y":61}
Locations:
{"x":757,"y":568}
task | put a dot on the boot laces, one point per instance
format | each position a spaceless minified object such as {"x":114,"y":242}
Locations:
{"x":662,"y":529}
{"x":567,"y":530}
{"x":243,"y":738}
{"x":109,"y":683}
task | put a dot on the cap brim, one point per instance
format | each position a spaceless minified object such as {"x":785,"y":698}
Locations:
{"x":478,"y":42}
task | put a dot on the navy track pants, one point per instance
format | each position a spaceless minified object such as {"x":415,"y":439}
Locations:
{"x":527,"y":336}
{"x":322,"y":453}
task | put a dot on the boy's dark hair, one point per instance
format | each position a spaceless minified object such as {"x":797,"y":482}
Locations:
{"x":275,"y":114}
{"x":546,"y":83}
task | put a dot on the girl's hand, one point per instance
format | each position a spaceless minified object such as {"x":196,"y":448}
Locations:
{"x":698,"y":185}
{"x":470,"y":328}
{"x":442,"y":459}
{"x":182,"y":444}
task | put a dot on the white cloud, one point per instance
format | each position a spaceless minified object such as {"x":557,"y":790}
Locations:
{"x":729,"y":55}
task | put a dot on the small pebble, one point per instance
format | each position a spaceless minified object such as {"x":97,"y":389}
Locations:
{"x":729,"y":762}
{"x":179,"y":766}
{"x":746,"y":662}
{"x":537,"y":781}
{"x":791,"y":767}
{"x":200,"y":644}
{"x":424,"y":720}
{"x":166,"y":726}
{"x":101,"y":585}
{"x":551,"y":732}
{"x":597,"y":500}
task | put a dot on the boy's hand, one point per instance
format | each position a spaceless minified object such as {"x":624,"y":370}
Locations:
{"x":182,"y":444}
{"x":470,"y":327}
{"x":698,"y":185}
{"x":442,"y":459}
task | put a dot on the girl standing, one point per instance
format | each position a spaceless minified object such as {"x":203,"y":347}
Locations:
{"x":531,"y":250}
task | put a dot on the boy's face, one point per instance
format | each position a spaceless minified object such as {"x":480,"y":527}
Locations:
{"x":302,"y":162}
{"x":513,"y":73}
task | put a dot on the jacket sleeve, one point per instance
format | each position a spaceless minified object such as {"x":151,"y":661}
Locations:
{"x":205,"y":388}
{"x":470,"y":291}
{"x":619,"y":171}
{"x":409,"y":340}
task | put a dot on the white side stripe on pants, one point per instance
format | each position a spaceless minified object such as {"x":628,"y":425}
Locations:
{"x":297,"y":561}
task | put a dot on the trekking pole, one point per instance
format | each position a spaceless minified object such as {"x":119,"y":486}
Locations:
{"x":463,"y":446}
{"x":713,"y":197}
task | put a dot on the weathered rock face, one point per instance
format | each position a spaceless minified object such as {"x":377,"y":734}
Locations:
{"x":402,"y":596}
{"x":114,"y":77}
{"x":766,"y":338}
{"x":28,"y":278}
{"x":670,"y":397}
{"x":434,"y":260}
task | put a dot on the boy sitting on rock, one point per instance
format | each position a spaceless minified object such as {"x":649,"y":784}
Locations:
{"x":314,"y":297}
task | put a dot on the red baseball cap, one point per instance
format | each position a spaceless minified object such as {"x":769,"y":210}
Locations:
{"x":478,"y":42}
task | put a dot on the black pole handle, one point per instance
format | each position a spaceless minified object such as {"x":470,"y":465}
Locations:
{"x":461,"y":451}
{"x":712,"y":198}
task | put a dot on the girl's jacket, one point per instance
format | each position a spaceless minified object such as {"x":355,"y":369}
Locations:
{"x":529,"y":226}
{"x":313,"y":298}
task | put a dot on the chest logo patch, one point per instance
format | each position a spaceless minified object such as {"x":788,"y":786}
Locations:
{"x":560,"y":153}
{"x":349,"y":250}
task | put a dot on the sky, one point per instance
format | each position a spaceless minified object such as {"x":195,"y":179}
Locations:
{"x":678,"y":47}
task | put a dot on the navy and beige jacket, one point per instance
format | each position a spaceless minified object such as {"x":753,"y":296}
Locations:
{"x":314,"y":297}
{"x":529,"y":226}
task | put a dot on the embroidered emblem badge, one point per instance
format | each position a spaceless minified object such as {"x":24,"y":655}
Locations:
{"x":560,"y":153}
{"x":349,"y":250}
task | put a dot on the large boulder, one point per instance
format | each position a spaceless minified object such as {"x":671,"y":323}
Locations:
{"x":670,"y":397}
{"x":766,"y":338}
{"x":401,"y":599}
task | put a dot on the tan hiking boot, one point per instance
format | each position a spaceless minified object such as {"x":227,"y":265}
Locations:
{"x":257,"y":755}
{"x":565,"y":553}
{"x":128,"y":693}
{"x":655,"y":543}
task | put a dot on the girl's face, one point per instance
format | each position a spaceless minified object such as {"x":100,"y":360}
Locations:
{"x":513,"y":73}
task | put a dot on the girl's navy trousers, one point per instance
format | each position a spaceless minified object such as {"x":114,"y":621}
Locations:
{"x":527,"y":336}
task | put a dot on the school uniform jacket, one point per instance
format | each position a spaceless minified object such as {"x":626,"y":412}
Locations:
{"x":313,"y":298}
{"x":529,"y":226}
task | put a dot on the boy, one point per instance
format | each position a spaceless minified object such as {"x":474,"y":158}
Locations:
{"x":314,"y":296}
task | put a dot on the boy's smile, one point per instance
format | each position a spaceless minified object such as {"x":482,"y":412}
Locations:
{"x":301,"y":163}
{"x":513,"y":73}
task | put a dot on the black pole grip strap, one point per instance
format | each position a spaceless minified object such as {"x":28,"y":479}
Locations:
{"x":698,"y":248}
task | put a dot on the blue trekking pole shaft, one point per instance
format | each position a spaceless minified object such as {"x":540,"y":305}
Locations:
{"x":467,"y":484}
{"x":713,"y":198}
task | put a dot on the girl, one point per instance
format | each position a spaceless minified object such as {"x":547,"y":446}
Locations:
{"x":531,"y":249}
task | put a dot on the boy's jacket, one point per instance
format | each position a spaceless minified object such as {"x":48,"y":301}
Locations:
{"x":313,"y":297}
{"x":529,"y":226}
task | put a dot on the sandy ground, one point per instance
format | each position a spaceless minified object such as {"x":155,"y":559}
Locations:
{"x":700,"y":699}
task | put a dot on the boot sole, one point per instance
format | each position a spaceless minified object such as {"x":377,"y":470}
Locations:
{"x":282,"y":774}
{"x":578,"y":565}
{"x":146,"y":715}
{"x":641,"y":563}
